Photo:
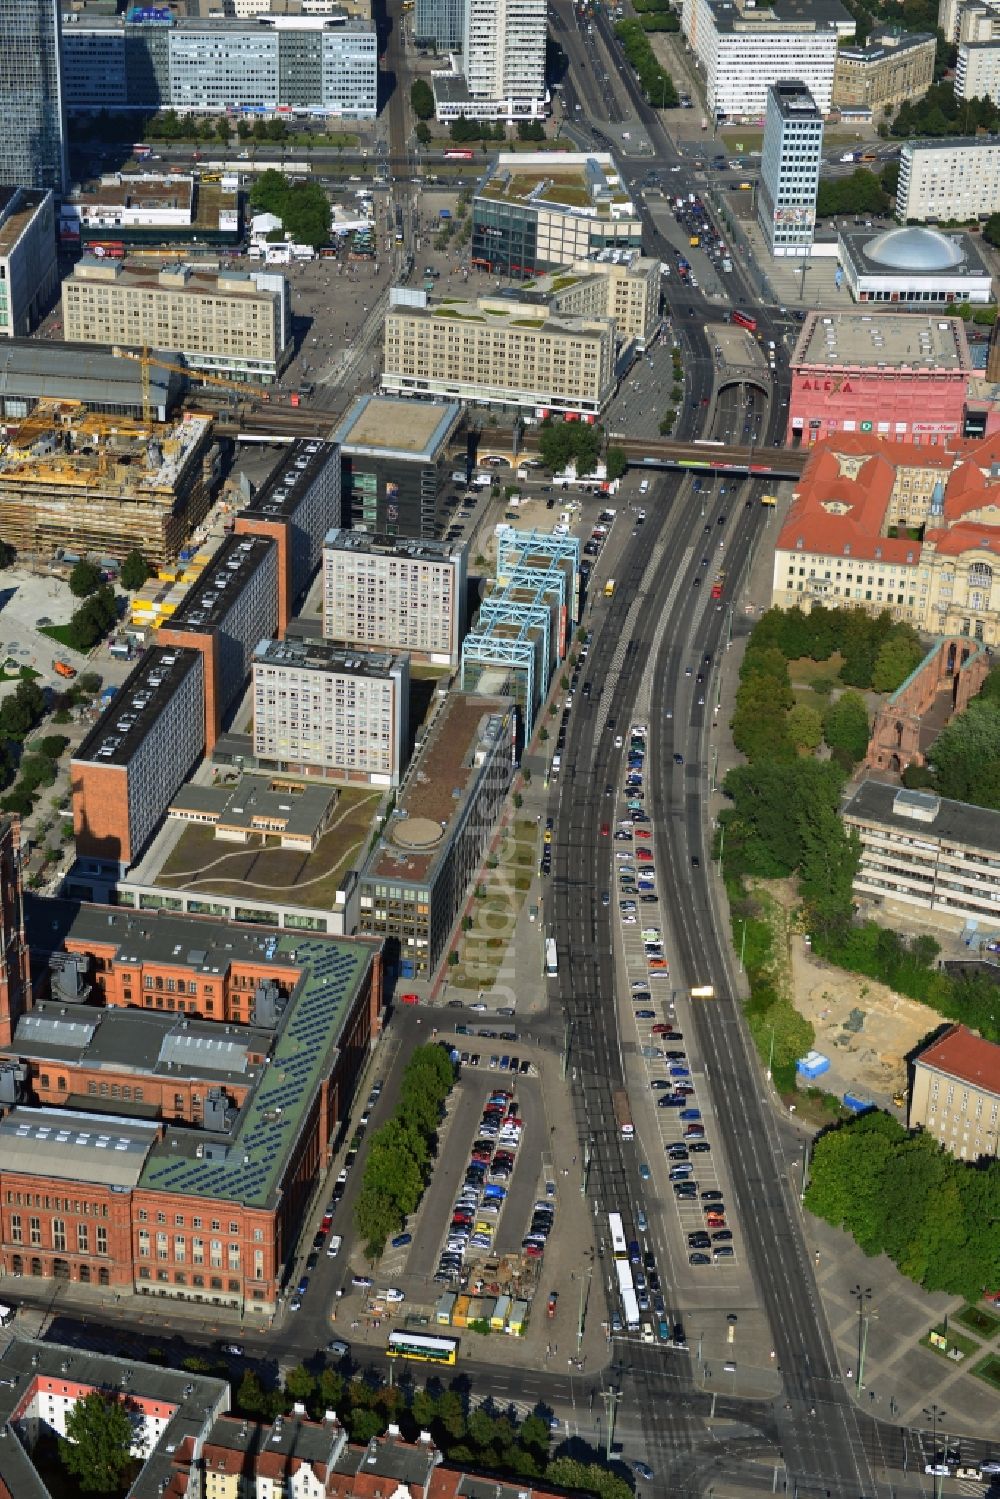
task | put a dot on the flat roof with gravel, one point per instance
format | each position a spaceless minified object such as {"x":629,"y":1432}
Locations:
{"x":890,"y":340}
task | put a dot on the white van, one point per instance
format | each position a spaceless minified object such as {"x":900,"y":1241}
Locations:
{"x":644,"y":487}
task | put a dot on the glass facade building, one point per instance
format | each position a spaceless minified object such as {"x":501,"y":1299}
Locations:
{"x":32,"y":136}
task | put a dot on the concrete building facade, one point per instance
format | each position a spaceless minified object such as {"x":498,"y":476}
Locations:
{"x":937,"y":859}
{"x":913,"y":267}
{"x":890,"y":69}
{"x":977,"y":71}
{"x":955,"y":1093}
{"x":902,"y":376}
{"x":525,"y":356}
{"x":29,"y":273}
{"x":232,"y":323}
{"x":296,"y":505}
{"x":289,"y":64}
{"x":536,"y":212}
{"x":232,"y":607}
{"x":386,"y":594}
{"x":32,"y":115}
{"x":502,"y":71}
{"x":743,"y":48}
{"x":143,"y":746}
{"x":948,"y":179}
{"x":415,"y":880}
{"x":394,"y":462}
{"x":789,"y":168}
{"x":322,"y":710}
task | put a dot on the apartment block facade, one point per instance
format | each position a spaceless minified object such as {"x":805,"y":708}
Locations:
{"x":396,"y":595}
{"x":231,"y":323}
{"x":952,"y":179}
{"x":296,"y":506}
{"x":321,"y":710}
{"x":29,"y":273}
{"x":139,"y":752}
{"x":935,"y":858}
{"x":292,"y":64}
{"x":520,"y":356}
{"x":955,"y":1094}
{"x":502,"y":63}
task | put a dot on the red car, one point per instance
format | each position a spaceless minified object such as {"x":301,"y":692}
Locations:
{"x":409,"y":999}
{"x":643,"y":833}
{"x":327,"y":1223}
{"x":605,"y":830}
{"x":662,"y":1029}
{"x":644,"y":855}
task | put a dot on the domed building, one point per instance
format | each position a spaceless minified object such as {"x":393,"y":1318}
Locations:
{"x":913,"y":266}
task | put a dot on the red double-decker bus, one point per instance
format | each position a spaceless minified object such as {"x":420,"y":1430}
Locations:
{"x":458,"y":155}
{"x":743,"y":320}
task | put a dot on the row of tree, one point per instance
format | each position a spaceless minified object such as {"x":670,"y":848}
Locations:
{"x":860,"y":192}
{"x":400,"y":1153}
{"x":902,"y":1195}
{"x":561,"y":443}
{"x":86,"y":577}
{"x":93,"y":619}
{"x":655,"y":82}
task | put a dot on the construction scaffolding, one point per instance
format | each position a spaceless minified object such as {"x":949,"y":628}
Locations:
{"x":74,"y":481}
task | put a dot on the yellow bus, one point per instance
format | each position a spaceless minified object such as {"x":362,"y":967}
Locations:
{"x":422,"y":1349}
{"x":769,"y":499}
{"x":609,"y":589}
{"x":703,"y":991}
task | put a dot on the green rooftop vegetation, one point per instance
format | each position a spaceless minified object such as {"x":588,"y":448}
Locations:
{"x":528,"y":322}
{"x":562,"y":282}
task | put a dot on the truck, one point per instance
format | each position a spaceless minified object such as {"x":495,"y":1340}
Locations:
{"x":623,"y":1115}
{"x":718,"y":585}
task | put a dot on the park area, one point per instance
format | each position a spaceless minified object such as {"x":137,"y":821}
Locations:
{"x":201,"y":862}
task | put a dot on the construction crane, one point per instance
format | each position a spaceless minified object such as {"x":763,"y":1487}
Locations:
{"x":147,"y":361}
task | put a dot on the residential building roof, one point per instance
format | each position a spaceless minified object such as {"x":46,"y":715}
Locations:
{"x":962,"y":1054}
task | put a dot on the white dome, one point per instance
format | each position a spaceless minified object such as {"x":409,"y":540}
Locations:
{"x":914,"y":250}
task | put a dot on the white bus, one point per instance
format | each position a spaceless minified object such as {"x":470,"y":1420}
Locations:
{"x":551,"y":958}
{"x":619,"y":1247}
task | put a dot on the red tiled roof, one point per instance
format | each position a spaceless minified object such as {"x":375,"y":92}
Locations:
{"x":966,"y":463}
{"x":961,"y":1054}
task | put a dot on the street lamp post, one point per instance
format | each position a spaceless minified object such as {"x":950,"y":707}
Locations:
{"x":864,"y":1296}
{"x":935,"y":1414}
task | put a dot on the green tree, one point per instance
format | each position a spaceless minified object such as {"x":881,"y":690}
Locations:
{"x":365,"y":1424}
{"x":423,"y":132}
{"x":804,"y":726}
{"x":827,"y":866}
{"x":300,"y":1384}
{"x":845,"y":725}
{"x":781,"y":1034}
{"x":51,"y":746}
{"x":616,"y":462}
{"x":84,"y":580}
{"x":562,"y":443}
{"x":251,"y":1397}
{"x":530,"y":130}
{"x":899,"y":655}
{"x":96,"y":1449}
{"x":135,"y":571}
{"x":861,"y":192}
{"x":964,"y":753}
{"x":422,"y":99}
{"x":991,"y":230}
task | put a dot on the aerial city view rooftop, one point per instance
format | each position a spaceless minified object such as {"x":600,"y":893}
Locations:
{"x":499,"y":749}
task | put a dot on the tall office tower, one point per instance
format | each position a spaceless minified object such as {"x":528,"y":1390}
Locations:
{"x":504,"y":52}
{"x":15,"y":994}
{"x":32,"y":133}
{"x":439,"y":24}
{"x":789,"y":168}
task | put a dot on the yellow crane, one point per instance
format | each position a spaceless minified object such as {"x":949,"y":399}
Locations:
{"x":147,"y":361}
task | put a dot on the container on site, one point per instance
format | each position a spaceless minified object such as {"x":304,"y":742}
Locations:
{"x":445,"y":1308}
{"x":858,"y":1103}
{"x":814,"y":1064}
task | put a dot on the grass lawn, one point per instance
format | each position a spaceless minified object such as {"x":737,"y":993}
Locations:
{"x":989,"y":1369}
{"x":58,"y":633}
{"x":23,"y":674}
{"x":978,"y":1320}
{"x":203,"y":863}
{"x":804,"y":672}
{"x":427,"y":673}
{"x":955,"y":1340}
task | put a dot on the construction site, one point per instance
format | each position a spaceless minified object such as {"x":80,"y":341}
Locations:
{"x":74,"y":482}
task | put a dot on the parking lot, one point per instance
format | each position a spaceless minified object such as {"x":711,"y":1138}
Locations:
{"x":686,"y":1169}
